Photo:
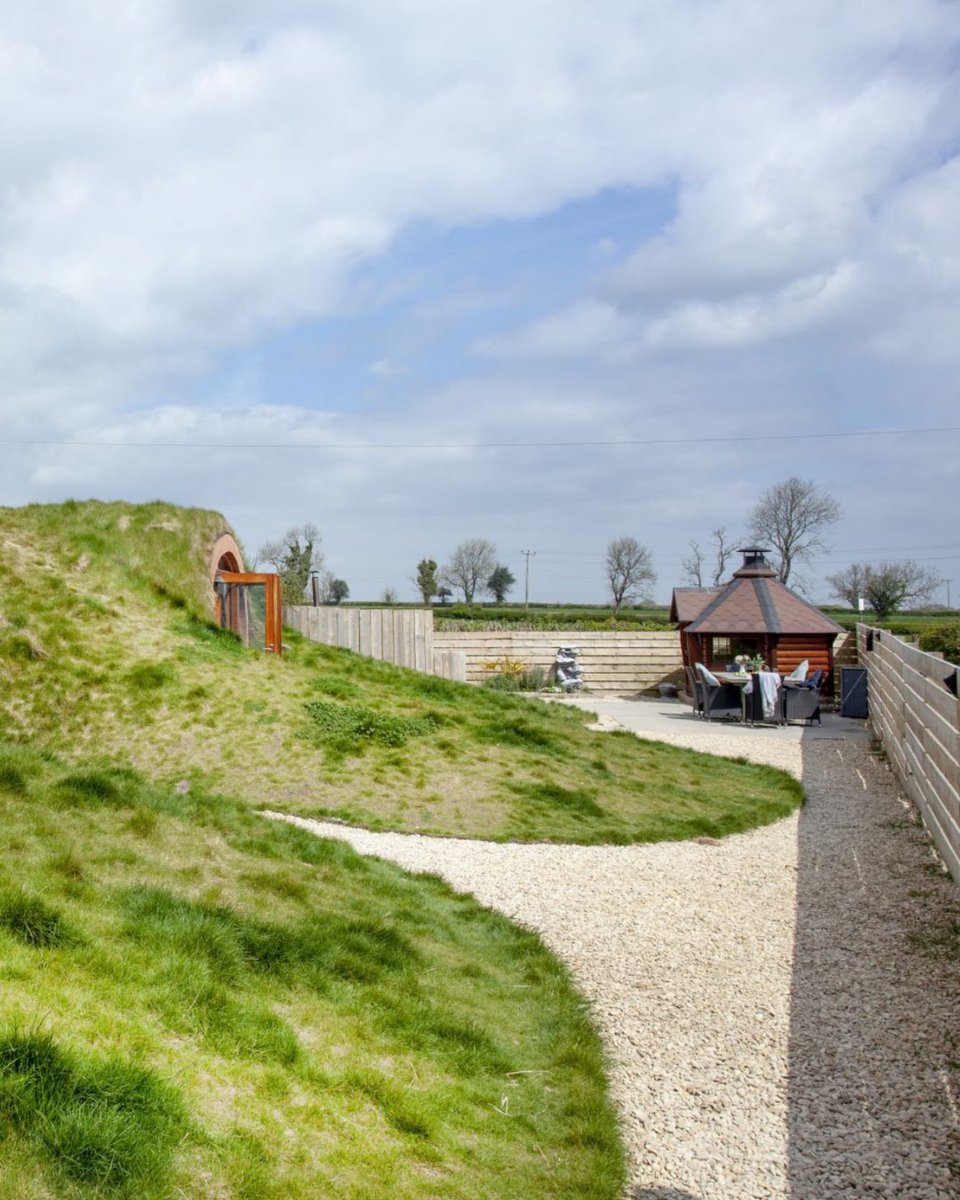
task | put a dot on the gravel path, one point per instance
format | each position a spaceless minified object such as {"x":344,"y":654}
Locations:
{"x":779,"y":1007}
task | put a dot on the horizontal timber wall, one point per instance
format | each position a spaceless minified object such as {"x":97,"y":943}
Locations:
{"x":917,"y":719}
{"x":614,"y":661}
{"x":619,"y":662}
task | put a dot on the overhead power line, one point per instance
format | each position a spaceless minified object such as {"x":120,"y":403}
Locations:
{"x":679,"y":441}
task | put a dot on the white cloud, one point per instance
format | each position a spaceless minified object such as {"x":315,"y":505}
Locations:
{"x":182,"y":180}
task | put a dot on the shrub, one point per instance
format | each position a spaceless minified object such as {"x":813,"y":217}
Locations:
{"x":501,"y":683}
{"x":350,"y":727}
{"x":943,"y":639}
{"x":510,"y":675}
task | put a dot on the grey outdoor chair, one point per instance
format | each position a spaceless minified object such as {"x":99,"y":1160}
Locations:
{"x":719,"y":699}
{"x":801,"y":702}
{"x":695,"y":691}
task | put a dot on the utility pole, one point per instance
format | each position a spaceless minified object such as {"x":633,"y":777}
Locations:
{"x":528,"y":554}
{"x":948,"y":582}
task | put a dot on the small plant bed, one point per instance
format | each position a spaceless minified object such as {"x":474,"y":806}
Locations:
{"x":195,"y":1001}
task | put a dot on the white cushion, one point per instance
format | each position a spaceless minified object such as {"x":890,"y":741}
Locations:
{"x":800,"y":672}
{"x":707,"y":676}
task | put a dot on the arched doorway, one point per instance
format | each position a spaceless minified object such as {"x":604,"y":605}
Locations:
{"x":249,"y":603}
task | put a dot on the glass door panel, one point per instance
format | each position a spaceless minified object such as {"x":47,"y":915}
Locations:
{"x":249,"y":605}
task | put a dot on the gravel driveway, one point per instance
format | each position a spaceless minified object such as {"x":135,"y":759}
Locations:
{"x":780,"y":1007}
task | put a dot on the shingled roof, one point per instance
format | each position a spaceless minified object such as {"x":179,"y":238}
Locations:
{"x":689,"y":603}
{"x":754,"y":601}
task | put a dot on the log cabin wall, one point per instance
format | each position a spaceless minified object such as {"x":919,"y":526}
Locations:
{"x":791,"y":649}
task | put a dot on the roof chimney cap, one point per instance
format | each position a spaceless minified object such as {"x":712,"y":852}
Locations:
{"x":754,"y":562}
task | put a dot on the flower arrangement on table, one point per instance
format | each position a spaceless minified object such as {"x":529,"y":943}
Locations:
{"x":749,"y":662}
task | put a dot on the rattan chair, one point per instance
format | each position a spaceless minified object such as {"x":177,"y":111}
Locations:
{"x":801,"y":702}
{"x":695,"y":692}
{"x":719,"y":699}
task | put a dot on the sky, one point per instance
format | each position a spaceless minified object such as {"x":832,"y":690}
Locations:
{"x":547,"y":273}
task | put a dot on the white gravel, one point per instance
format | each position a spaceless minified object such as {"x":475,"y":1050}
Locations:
{"x":772,"y":1029}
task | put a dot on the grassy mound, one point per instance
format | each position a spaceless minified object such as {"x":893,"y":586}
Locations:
{"x":194,"y":1001}
{"x":106,"y":649}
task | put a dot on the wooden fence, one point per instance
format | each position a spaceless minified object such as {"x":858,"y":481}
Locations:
{"x":615,"y":661}
{"x":403,"y":637}
{"x":618,"y":662}
{"x":917,"y":718}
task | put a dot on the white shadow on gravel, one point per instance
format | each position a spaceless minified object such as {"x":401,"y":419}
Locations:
{"x":873,"y":1076}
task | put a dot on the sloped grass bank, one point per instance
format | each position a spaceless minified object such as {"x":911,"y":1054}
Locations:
{"x":196,"y":1001}
{"x":106,"y":649}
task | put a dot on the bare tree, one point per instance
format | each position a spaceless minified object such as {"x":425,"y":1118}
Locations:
{"x":793,"y":518}
{"x":325,"y":582}
{"x":724,"y":550}
{"x":849,"y":584}
{"x":294,"y":558}
{"x":472,"y":563}
{"x":692,"y":566}
{"x":628,"y":568}
{"x":695,"y":566}
{"x":887,"y":586}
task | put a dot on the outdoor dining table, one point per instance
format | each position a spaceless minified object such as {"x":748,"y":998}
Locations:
{"x":740,"y":679}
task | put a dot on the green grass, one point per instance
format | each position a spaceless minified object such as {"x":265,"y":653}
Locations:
{"x":196,"y":1001}
{"x":902,"y":624}
{"x":224,"y":1006}
{"x":127,"y":667}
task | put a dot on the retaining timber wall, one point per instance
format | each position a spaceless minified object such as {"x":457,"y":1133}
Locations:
{"x":917,"y":719}
{"x":615,"y":661}
{"x":612,"y":661}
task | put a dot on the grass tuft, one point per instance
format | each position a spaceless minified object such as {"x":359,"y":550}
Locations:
{"x":32,"y":921}
{"x":104,"y":1123}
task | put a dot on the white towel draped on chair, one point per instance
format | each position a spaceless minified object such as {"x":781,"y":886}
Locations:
{"x":769,"y":690}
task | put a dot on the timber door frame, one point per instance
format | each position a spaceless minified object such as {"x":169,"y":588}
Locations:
{"x":228,"y":617}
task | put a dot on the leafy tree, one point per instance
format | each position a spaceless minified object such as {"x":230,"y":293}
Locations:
{"x":628,"y":569}
{"x":889,"y":585}
{"x":389,"y":595}
{"x":500,"y":582}
{"x":473,"y":561}
{"x":338,"y":591}
{"x":695,"y":566}
{"x":793,"y":517}
{"x":443,"y":594}
{"x":294,"y":557}
{"x":426,"y":579}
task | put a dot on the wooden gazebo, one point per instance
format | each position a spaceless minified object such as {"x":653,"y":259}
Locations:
{"x":753,"y":614}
